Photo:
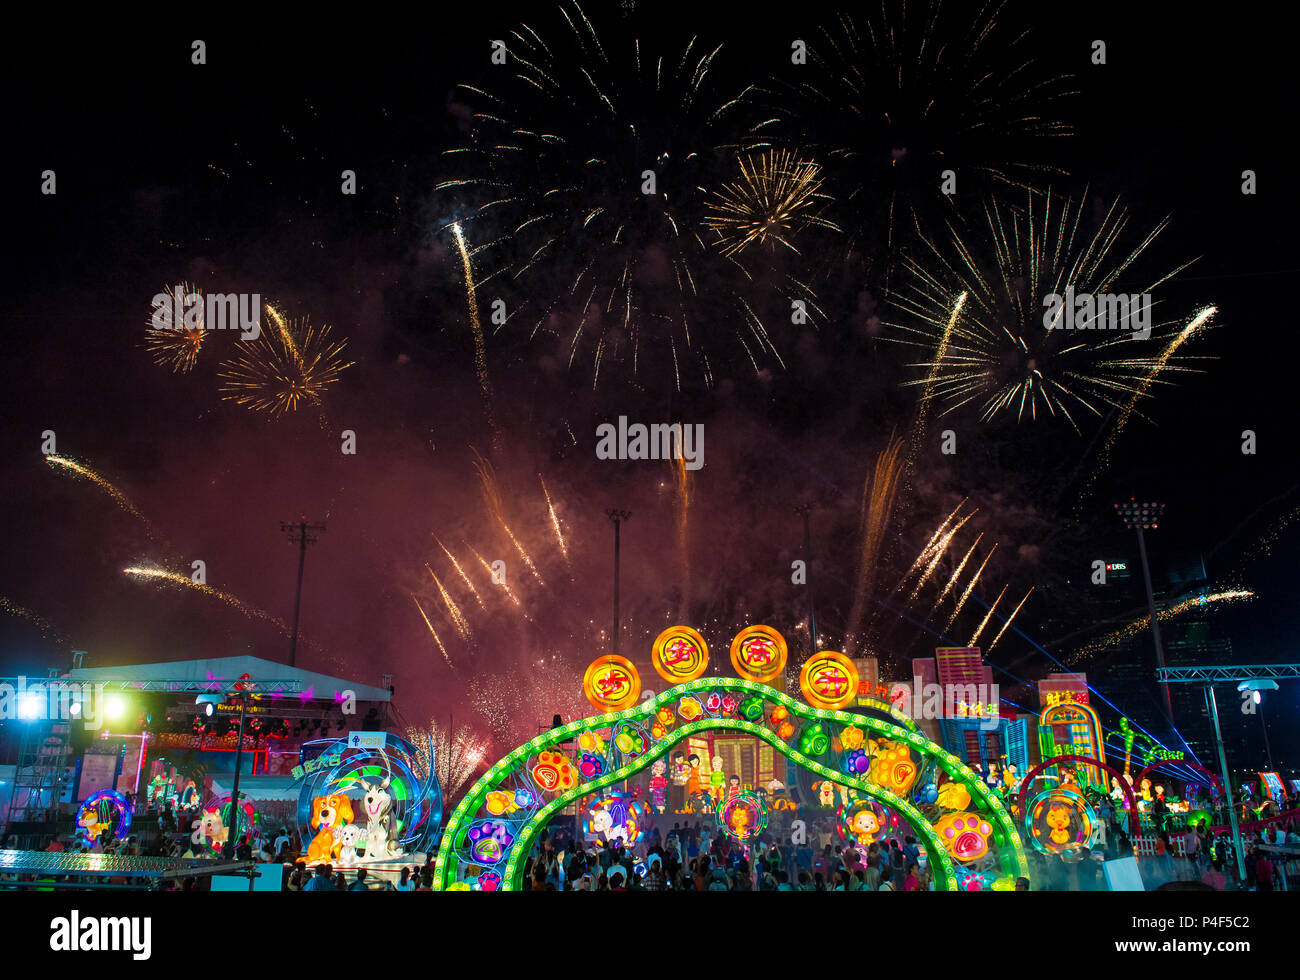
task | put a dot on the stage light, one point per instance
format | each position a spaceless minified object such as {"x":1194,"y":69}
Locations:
{"x":114,"y":707}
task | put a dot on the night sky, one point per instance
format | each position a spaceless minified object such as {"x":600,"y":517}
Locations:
{"x":227,"y":176}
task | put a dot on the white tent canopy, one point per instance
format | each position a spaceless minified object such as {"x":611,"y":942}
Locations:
{"x":318,"y":687}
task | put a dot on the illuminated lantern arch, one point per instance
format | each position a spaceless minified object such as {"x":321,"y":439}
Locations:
{"x":1076,"y":715}
{"x":1028,"y":779}
{"x":808,"y":745}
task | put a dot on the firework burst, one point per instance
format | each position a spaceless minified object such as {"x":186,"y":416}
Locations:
{"x":455,"y":757}
{"x":586,"y":180}
{"x":775,"y":198}
{"x":177,"y":344}
{"x":978,"y":315}
{"x":893,"y":98}
{"x":292,"y":364}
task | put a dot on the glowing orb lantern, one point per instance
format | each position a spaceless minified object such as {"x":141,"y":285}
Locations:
{"x":679,"y":654}
{"x":758,"y":653}
{"x":829,"y":681}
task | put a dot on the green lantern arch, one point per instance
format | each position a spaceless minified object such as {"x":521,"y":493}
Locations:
{"x":492,"y":830}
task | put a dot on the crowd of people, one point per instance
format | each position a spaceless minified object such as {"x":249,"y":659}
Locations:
{"x":692,"y":857}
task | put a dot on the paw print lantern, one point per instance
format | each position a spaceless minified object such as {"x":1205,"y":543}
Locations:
{"x":965,"y":835}
{"x":554,"y":773}
{"x":893,"y":767}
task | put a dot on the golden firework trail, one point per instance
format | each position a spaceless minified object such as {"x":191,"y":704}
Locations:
{"x":1138,"y":626}
{"x":970,"y":586}
{"x":43,"y":626}
{"x":457,"y":617}
{"x":283,"y":368}
{"x":952,"y":579}
{"x":878,"y":491}
{"x":81,"y":470}
{"x":480,"y":347}
{"x":927,"y":392}
{"x":1198,"y":320}
{"x":460,"y":571}
{"x":979,"y":315}
{"x":682,"y":497}
{"x":1009,"y":619}
{"x":176,"y":345}
{"x":155,"y":574}
{"x":939,"y":550}
{"x":282,"y":329}
{"x":434,"y":632}
{"x":492,"y":499}
{"x":987,"y":616}
{"x":488,"y":568}
{"x":936,"y":543}
{"x":555,"y":521}
{"x":775,"y":198}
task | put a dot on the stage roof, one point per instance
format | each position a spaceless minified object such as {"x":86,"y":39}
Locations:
{"x":318,"y":687}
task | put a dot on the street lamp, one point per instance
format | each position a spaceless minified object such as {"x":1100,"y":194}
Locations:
{"x":1140,"y":517}
{"x":209,"y":702}
{"x":1255,"y":687}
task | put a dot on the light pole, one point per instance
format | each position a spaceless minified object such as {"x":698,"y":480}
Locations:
{"x":1227,"y":782}
{"x":302,"y":534}
{"x":232,"y":837}
{"x":1139,"y":517}
{"x":618,"y":517}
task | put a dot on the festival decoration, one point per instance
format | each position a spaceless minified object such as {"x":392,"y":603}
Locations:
{"x":952,"y":796}
{"x":214,"y":825}
{"x":490,"y":840}
{"x":615,"y":819}
{"x":856,"y":763}
{"x":591,"y":766}
{"x":658,"y":786}
{"x":813,"y":740}
{"x":388,"y":789}
{"x":744,"y":816}
{"x":553,"y":773}
{"x":611,"y":683}
{"x":758,"y":653}
{"x":499,"y":803}
{"x":861,"y":821}
{"x":1060,"y":821}
{"x":631,"y":739}
{"x":679,"y":654}
{"x":965,"y":835}
{"x":851,"y":738}
{"x":751,"y":709}
{"x":105,"y":809}
{"x":829,"y":681}
{"x":678,"y":722}
{"x":893,"y":767}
